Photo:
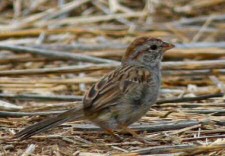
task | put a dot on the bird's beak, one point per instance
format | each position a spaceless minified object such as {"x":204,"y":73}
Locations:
{"x":167,"y":46}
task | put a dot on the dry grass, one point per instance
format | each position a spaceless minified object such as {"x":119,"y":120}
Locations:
{"x":52,"y":51}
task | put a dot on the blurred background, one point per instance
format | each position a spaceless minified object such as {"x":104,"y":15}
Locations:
{"x":51,"y":51}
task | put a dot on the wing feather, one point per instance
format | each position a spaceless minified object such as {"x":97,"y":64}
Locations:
{"x":110,"y":88}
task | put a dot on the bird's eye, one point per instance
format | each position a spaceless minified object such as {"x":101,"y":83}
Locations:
{"x":153,"y":47}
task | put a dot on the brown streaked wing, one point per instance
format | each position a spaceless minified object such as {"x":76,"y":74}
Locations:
{"x":106,"y":83}
{"x":110,"y":88}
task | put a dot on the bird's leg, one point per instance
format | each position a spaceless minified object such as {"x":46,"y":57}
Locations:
{"x":109,"y":131}
{"x":134,"y":134}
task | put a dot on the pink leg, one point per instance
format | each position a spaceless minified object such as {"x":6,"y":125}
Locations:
{"x":134,"y":134}
{"x":109,"y":131}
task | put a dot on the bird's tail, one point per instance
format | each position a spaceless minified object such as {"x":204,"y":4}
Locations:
{"x":70,"y":115}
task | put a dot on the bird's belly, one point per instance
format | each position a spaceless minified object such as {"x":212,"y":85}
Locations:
{"x":139,"y":104}
{"x":113,"y":118}
{"x":133,"y":114}
{"x":128,"y":110}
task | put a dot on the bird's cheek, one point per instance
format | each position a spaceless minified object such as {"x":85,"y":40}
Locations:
{"x":147,"y":58}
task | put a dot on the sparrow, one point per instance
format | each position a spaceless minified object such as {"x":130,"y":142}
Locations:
{"x":121,"y":97}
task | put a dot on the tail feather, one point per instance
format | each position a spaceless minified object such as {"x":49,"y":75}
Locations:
{"x":70,"y":115}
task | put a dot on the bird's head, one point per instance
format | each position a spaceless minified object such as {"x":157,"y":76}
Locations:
{"x":147,"y":51}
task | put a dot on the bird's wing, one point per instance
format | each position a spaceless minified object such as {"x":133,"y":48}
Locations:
{"x":111,"y":88}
